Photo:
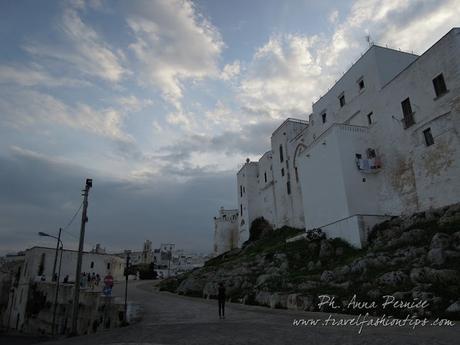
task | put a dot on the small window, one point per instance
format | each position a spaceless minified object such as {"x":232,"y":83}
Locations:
{"x":324,"y":117}
{"x":92,"y":264}
{"x":265,"y":177}
{"x":439,"y":85}
{"x":369,"y":118}
{"x":429,"y":140}
{"x":241,"y":191}
{"x":407,"y":113}
{"x":288,"y":186}
{"x":282,"y":171}
{"x":296,"y":174}
{"x":108,"y":265}
{"x":281,"y":154}
{"x":361,"y":84}
{"x":241,"y":210}
{"x":342,"y":100}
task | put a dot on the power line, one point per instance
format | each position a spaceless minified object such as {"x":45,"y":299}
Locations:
{"x":73,"y":218}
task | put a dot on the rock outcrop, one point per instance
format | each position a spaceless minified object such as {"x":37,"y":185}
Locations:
{"x":408,"y":257}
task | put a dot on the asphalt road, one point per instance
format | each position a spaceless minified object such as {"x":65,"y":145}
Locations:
{"x":171,"y":319}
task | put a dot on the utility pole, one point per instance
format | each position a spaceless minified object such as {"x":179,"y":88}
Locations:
{"x":56,"y":254}
{"x":126,"y":285}
{"x":84,"y":220}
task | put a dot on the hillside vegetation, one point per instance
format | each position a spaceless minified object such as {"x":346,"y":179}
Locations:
{"x":411,"y":258}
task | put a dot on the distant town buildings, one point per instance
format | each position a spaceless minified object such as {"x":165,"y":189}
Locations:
{"x":383,"y":141}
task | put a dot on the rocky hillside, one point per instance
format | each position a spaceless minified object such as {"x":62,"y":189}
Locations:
{"x":411,"y":257}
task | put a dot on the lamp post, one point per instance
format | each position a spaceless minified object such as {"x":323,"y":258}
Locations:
{"x":53,"y":327}
{"x":128,"y":258}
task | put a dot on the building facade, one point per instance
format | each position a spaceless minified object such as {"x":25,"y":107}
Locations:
{"x":37,"y":267}
{"x":382,"y":141}
{"x":226,"y":234}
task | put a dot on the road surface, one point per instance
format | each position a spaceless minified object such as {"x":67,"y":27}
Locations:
{"x":172,"y":319}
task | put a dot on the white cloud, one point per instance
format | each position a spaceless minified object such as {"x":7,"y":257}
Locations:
{"x":230,"y":71}
{"x":27,"y":108}
{"x":34,"y":75}
{"x":289,"y":72}
{"x":133,"y":104}
{"x":333,"y":16}
{"x":173,"y":44}
{"x":82,"y":48}
{"x":281,"y":76}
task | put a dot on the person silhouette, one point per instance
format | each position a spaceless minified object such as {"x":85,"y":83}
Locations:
{"x":221,"y":300}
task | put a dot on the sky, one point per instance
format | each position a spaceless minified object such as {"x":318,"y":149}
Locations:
{"x":160,"y":102}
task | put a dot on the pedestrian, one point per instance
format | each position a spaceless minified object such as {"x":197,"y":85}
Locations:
{"x":98,"y":279}
{"x":221,"y":300}
{"x":93,"y":280}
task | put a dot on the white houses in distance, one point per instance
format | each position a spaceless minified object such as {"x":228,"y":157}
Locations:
{"x":382,"y":141}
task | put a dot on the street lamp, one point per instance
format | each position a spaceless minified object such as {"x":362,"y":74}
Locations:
{"x":53,"y":327}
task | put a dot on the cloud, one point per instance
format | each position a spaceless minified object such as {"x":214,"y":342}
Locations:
{"x":133,"y":104}
{"x":290,"y":71}
{"x":281,"y":76}
{"x":173,"y":43}
{"x":48,"y":192}
{"x":26,"y":108}
{"x":82,"y":48}
{"x":230,"y":71}
{"x":34,"y":75}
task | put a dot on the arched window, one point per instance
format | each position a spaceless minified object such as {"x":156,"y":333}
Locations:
{"x":92,"y":264}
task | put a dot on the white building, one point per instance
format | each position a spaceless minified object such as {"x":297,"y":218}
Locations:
{"x":38,"y":262}
{"x":382,"y":141}
{"x":226,"y":234}
{"x":144,"y":257}
{"x":270,"y":188}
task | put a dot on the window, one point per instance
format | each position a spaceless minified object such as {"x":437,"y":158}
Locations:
{"x":288,"y":186}
{"x":324,"y":117}
{"x":296,"y":174}
{"x":241,"y":191}
{"x":92,"y":264}
{"x":369,"y":118}
{"x":41,"y":266}
{"x":342,"y":100}
{"x":281,"y":154}
{"x":282,"y":171}
{"x":407,"y":113}
{"x":265,"y":177}
{"x":361,"y":84}
{"x":429,"y":140}
{"x":439,"y":85}
{"x":241,"y":210}
{"x":108,"y":265}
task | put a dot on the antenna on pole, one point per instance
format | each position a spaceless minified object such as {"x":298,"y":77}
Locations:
{"x":369,"y":40}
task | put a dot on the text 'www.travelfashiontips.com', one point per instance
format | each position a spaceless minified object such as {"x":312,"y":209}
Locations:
{"x":364,"y":319}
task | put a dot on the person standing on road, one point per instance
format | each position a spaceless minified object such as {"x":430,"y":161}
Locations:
{"x":221,"y":300}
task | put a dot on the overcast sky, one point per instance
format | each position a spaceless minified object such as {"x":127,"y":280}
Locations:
{"x":160,"y":101}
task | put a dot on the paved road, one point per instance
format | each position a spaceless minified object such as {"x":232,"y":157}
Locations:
{"x":171,"y":319}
